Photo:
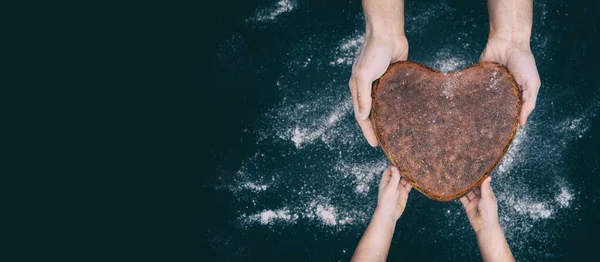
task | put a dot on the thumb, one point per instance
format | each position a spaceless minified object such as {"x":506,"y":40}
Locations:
{"x":486,"y":189}
{"x":363,"y":96}
{"x":484,"y":57}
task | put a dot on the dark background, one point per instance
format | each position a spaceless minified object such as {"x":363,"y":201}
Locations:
{"x":149,"y":126}
{"x":249,"y":57}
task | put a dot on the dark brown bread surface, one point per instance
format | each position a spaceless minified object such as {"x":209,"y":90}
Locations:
{"x":446,"y":132}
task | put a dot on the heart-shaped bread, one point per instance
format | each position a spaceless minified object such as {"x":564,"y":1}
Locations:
{"x":446,"y":132}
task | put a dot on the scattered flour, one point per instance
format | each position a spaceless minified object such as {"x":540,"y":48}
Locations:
{"x":448,"y":87}
{"x":493,"y":81}
{"x":317,"y":177}
{"x":348,"y":50}
{"x":312,"y":163}
{"x":449,"y":64}
{"x":577,"y":126}
{"x":512,"y":154}
{"x":327,"y":214}
{"x":272,"y":13}
{"x":364,"y":173}
{"x":536,"y":157}
{"x":449,"y":60}
{"x":308,"y":128}
{"x":416,"y":22}
{"x":268,"y":217}
{"x":524,"y":206}
{"x":565,"y":197}
{"x":254,"y":187}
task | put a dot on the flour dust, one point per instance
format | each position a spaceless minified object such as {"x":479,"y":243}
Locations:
{"x":312,"y":164}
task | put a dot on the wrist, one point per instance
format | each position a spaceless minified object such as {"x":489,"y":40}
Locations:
{"x":518,"y":40}
{"x":511,"y":21}
{"x":382,"y":215}
{"x":489,"y":229}
{"x":386,"y":32}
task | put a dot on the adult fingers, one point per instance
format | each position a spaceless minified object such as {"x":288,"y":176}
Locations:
{"x":363,"y":95}
{"x":368,"y":132}
{"x":526,"y":72}
{"x":530,"y":91}
{"x":365,"y":124}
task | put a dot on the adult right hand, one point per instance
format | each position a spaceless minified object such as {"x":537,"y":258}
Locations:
{"x":379,"y":50}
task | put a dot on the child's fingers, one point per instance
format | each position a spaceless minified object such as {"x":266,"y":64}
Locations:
{"x":385,"y":178}
{"x":464,"y":200}
{"x":395,"y":180}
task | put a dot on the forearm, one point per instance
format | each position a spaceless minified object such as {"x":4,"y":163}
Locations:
{"x":493,"y":245}
{"x":384,"y":17}
{"x":375,"y":243}
{"x":511,"y":20}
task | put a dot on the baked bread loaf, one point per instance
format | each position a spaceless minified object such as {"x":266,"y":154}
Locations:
{"x":446,"y":132}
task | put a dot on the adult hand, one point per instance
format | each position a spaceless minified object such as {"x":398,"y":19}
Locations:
{"x":379,"y":50}
{"x":521,"y":63}
{"x":508,"y":43}
{"x":393,"y":194}
{"x":481,"y":207}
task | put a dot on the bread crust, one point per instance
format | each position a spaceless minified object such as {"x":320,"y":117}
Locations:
{"x":407,"y":174}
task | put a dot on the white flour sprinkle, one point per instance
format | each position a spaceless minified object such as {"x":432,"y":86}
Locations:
{"x":364,"y":173}
{"x":416,"y":22}
{"x":313,"y":165}
{"x":524,"y":206}
{"x":450,"y":64}
{"x":270,"y":14}
{"x":254,"y":187}
{"x":348,"y":50}
{"x":576,"y":126}
{"x":270,"y":216}
{"x":565,"y":197}
{"x":513,"y":152}
{"x":448,"y":88}
{"x":327,"y":214}
{"x":493,"y":81}
{"x":447,"y":60}
{"x":308,"y":128}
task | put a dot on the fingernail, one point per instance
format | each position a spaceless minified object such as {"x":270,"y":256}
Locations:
{"x":395,"y":169}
